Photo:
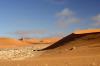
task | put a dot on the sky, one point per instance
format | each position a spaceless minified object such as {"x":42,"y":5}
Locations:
{"x":47,"y":18}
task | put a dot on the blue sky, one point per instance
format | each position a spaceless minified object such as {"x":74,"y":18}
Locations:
{"x":43,"y":18}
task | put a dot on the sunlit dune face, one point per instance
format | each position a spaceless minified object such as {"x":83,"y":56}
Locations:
{"x":33,"y":40}
{"x":9,"y":43}
{"x":86,"y":31}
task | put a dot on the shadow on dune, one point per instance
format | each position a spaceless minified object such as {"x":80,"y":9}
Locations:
{"x":68,"y":39}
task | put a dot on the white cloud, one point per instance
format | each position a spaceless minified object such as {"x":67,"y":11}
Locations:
{"x":96,"y":20}
{"x":73,"y":20}
{"x":27,"y":33}
{"x":96,"y":24}
{"x":65,"y":13}
{"x":66,"y":17}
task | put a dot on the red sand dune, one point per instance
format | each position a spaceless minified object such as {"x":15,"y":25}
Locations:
{"x":10,"y":42}
{"x":42,"y":40}
{"x":91,"y":35}
{"x":32,"y":41}
{"x":86,"y":31}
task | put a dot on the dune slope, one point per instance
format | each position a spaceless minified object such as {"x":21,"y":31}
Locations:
{"x":76,"y":40}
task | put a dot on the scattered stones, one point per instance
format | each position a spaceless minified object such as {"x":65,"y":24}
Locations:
{"x":18,"y":53}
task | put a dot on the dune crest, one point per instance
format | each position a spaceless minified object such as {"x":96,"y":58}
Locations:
{"x":86,"y":31}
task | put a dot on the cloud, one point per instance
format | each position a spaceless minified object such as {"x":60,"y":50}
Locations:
{"x":61,"y":34}
{"x":31,"y":32}
{"x":96,"y":20}
{"x":63,"y":23}
{"x":28,"y":33}
{"x":66,"y":17}
{"x":65,"y":13}
{"x":95,"y":24}
{"x":73,"y":20}
{"x":21,"y":33}
{"x":58,"y":34}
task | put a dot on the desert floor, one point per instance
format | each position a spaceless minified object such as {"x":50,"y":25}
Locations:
{"x":82,"y":56}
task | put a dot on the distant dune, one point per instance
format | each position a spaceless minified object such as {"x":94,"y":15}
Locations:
{"x":10,"y":42}
{"x":42,"y":40}
{"x":32,"y":40}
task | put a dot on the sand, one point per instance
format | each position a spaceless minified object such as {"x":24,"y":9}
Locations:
{"x":10,"y":43}
{"x":49,"y":40}
{"x":83,"y":58}
{"x":86,"y":31}
{"x":73,"y":50}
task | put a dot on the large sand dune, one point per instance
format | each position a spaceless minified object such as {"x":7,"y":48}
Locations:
{"x":76,"y":40}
